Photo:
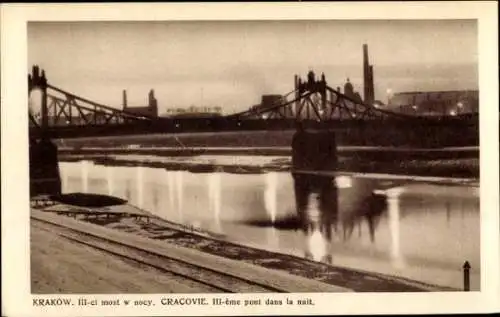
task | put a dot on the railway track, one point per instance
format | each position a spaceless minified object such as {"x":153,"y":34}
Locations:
{"x":212,"y":279}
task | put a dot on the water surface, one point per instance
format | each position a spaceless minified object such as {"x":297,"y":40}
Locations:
{"x":404,"y":228}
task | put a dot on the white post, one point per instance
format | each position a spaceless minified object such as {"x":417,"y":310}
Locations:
{"x":394,"y":225}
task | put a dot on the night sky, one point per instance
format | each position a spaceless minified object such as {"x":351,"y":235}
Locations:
{"x":232,"y":63}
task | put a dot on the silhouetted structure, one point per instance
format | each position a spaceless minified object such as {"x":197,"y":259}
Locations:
{"x":314,"y":150}
{"x":151,"y":110}
{"x":369,"y":89}
{"x":312,"y":101}
{"x":316,"y":199}
{"x":350,"y":92}
{"x":44,"y":165}
{"x":371,"y":208}
{"x":315,"y":196}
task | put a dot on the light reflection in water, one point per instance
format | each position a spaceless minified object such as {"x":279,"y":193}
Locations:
{"x":179,"y":188}
{"x":139,"y":185}
{"x":155,"y":198}
{"x":317,"y":208}
{"x":270,"y":195}
{"x":317,"y":240}
{"x":110,"y":181}
{"x":214,"y":196}
{"x":65,"y":180}
{"x":400,"y":230}
{"x":171,"y":189}
{"x":85,"y":175}
{"x":394,"y":225}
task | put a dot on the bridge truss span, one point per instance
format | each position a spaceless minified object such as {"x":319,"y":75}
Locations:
{"x":314,"y":100}
{"x":59,"y":108}
{"x":63,"y":114}
{"x":65,"y":109}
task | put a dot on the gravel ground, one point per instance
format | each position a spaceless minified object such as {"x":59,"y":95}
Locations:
{"x":62,"y":266}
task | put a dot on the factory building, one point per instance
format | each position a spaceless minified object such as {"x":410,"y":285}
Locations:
{"x":151,"y":110}
{"x":437,"y":103}
{"x":269,"y":101}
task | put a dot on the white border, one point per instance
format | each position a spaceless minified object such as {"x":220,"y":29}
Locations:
{"x":16,"y":299}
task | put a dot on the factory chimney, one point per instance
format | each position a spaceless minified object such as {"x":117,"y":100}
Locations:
{"x":369,"y":90}
{"x":124,"y":99}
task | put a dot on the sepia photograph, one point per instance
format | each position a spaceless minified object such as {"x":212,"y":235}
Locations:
{"x":352,"y":164}
{"x":252,"y":156}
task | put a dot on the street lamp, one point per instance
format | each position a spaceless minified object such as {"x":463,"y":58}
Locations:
{"x":389,"y":94}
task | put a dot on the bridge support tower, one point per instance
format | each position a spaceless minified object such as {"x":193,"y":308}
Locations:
{"x":45,"y":178}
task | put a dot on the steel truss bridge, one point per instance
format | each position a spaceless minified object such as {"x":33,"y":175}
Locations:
{"x":312,"y":101}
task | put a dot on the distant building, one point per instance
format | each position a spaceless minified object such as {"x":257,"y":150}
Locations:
{"x":193,"y":111}
{"x":269,"y":101}
{"x":88,"y":118}
{"x":151,"y":110}
{"x":349,"y":92}
{"x":430,"y":103}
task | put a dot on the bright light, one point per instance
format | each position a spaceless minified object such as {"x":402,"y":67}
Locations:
{"x":415,"y":107}
{"x":317,"y":245}
{"x":343,"y":181}
{"x":270,"y":195}
{"x":460,"y":105}
{"x":35,"y":102}
{"x":177,"y":125}
{"x":389,"y":91}
{"x":453,"y":113}
{"x":264,"y":116}
{"x":321,"y":111}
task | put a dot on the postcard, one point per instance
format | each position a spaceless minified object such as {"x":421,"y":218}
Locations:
{"x":249,"y":159}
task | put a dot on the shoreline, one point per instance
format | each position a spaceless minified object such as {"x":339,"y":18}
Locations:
{"x":447,"y":171}
{"x":358,"y":280}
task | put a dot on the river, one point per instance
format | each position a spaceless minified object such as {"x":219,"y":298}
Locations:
{"x":411,"y":229}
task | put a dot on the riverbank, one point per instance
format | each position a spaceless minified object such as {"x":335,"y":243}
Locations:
{"x":94,"y":259}
{"x":383,"y":135}
{"x":389,"y":163}
{"x":204,"y":242}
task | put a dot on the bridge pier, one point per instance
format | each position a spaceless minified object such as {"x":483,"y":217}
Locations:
{"x":314,"y":150}
{"x":45,"y":177}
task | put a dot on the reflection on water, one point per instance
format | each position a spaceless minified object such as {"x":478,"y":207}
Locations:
{"x":317,"y":209}
{"x":214,"y":197}
{"x":347,"y":221}
{"x":317,"y":205}
{"x":270,"y":195}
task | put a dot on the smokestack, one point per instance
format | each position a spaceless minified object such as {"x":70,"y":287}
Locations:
{"x":153,"y":103}
{"x":124,"y":99}
{"x":367,"y":77}
{"x":372,"y":88}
